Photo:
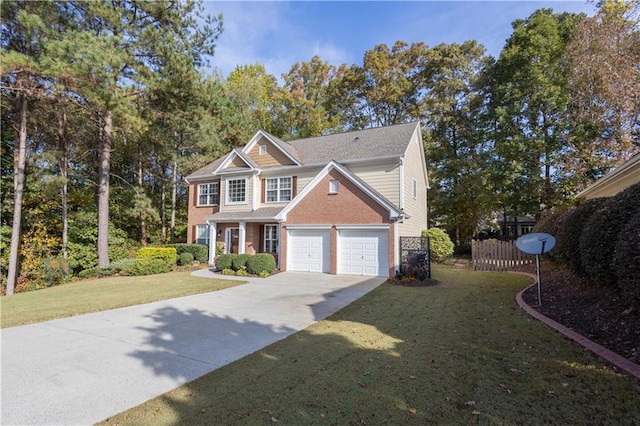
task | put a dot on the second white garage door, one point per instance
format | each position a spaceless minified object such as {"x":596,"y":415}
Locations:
{"x":363,"y":252}
{"x":308,"y":250}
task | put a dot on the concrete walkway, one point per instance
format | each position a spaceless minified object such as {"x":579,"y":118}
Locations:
{"x":83,"y":369}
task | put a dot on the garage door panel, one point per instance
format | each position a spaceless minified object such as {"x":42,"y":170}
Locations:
{"x":363,"y":252}
{"x":308,"y":250}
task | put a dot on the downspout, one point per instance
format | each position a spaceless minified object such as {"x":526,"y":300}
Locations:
{"x":401,"y":171}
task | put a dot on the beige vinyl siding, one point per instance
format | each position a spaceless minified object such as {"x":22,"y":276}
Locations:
{"x":383,"y":177}
{"x":273,"y":158}
{"x":415,"y":207}
{"x":224,"y":207}
{"x":304,"y":177}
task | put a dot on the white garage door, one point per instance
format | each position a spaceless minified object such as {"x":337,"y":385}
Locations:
{"x":308,"y":250}
{"x":363,"y":252}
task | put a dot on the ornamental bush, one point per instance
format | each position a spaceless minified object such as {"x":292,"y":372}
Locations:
{"x":567,"y":250}
{"x":55,"y":270}
{"x":168,"y":254}
{"x":148,"y":266}
{"x":224,"y":261}
{"x":440,"y":243}
{"x":240,"y":261}
{"x":200,"y":252}
{"x":186,"y":259}
{"x":601,"y":231}
{"x":261,"y":262}
{"x":627,"y":260}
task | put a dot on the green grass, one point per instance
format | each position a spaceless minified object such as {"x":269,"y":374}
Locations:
{"x":82,"y":297}
{"x":461,"y":352}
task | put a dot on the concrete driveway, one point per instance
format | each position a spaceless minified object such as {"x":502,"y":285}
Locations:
{"x":83,"y":369}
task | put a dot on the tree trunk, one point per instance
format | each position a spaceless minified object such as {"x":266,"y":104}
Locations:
{"x":64,"y":174}
{"x":104,"y":166}
{"x":163,"y":203}
{"x":174,"y":196}
{"x":20,"y":160}
{"x":143,"y":223}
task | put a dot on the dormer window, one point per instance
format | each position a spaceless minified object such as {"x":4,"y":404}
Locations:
{"x":263,"y":149}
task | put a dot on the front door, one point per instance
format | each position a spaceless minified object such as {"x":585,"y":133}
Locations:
{"x":232,"y":237}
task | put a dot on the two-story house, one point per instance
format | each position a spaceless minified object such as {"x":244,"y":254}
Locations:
{"x":336,"y":204}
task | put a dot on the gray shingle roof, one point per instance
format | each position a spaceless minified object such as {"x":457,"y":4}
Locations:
{"x":360,"y":144}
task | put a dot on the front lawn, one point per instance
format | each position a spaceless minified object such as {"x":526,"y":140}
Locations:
{"x":83,"y":297}
{"x":460,"y":352}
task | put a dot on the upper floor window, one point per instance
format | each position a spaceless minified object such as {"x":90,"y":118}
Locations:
{"x":334,"y":186}
{"x":263,"y":149}
{"x":278,"y":189}
{"x":208,"y":194}
{"x":237,"y":191}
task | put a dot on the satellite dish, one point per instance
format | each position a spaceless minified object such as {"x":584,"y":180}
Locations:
{"x":538,"y":243}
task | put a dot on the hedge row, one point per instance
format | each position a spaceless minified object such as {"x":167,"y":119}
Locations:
{"x":253,"y":264}
{"x":600,"y":239}
{"x":200,"y":252}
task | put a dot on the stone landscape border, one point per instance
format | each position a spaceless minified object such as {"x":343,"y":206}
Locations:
{"x":618,"y":361}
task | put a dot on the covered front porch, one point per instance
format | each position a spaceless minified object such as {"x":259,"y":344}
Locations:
{"x":245,"y":232}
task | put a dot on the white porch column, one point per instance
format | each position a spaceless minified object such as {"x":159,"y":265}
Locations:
{"x":242,"y":228}
{"x":212,"y":243}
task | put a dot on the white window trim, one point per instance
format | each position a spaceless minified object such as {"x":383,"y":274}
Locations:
{"x":278,"y":189}
{"x":199,"y":193}
{"x":264,"y":240}
{"x":334,"y":186}
{"x":206,"y":233}
{"x":246,"y":190}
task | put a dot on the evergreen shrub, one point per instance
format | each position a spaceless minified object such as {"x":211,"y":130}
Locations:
{"x":551,"y":224}
{"x":440,"y":243}
{"x":148,"y":266}
{"x":55,"y":271}
{"x":200,"y":252}
{"x":601,"y":231}
{"x":567,"y":250}
{"x":261,"y":262}
{"x":186,"y":258}
{"x":627,"y":260}
{"x":168,"y":254}
{"x":240,"y":261}
{"x":225,"y":261}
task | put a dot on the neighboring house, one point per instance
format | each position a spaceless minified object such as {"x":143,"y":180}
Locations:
{"x":615,"y":181}
{"x":336,"y":204}
{"x":511,"y":226}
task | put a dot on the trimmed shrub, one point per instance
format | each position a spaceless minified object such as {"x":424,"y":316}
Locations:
{"x":567,"y":250}
{"x":240,"y":261}
{"x":186,"y":258}
{"x":168,"y":254}
{"x":627,"y":260}
{"x":551,"y":224}
{"x":225,"y":261}
{"x":261,"y":262}
{"x":200,"y":252}
{"x":242,"y":272}
{"x":115,"y":267}
{"x":440,"y":243}
{"x":148,"y":266}
{"x":601,"y":231}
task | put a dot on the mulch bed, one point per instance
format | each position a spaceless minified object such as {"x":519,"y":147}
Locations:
{"x":427,"y":282}
{"x":598,"y":313}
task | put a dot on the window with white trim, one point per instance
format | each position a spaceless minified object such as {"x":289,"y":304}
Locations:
{"x":334,"y":186}
{"x":208,"y":194}
{"x":263,"y":149}
{"x":415,"y":188}
{"x":278,"y":189}
{"x":237,"y":191}
{"x":270,"y":238}
{"x":202,"y":234}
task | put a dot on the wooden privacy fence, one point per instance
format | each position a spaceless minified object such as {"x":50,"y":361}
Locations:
{"x":494,"y":255}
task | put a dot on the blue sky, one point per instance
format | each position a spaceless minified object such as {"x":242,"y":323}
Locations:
{"x":278,"y":34}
